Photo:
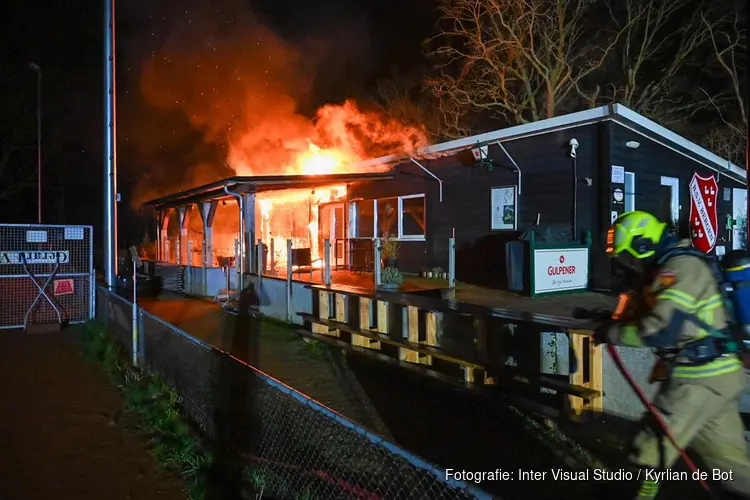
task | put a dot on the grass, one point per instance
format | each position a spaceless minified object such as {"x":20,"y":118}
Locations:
{"x":275,"y":329}
{"x":160,"y":419}
{"x":156,"y":405}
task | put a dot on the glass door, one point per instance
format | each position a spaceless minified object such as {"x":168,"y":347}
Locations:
{"x":332,"y":227}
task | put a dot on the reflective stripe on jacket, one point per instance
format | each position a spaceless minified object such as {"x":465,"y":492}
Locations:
{"x":683,"y":287}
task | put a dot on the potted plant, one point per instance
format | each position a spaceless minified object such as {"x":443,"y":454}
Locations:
{"x":391,"y":279}
{"x":438,"y":273}
{"x":389,"y":252}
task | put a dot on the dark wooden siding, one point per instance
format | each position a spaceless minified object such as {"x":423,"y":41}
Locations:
{"x":546,"y":191}
{"x":650,"y":161}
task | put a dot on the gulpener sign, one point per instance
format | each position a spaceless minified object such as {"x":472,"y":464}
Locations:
{"x":34,"y":257}
{"x":561,"y":269}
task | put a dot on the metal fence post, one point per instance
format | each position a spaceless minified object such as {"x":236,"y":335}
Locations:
{"x":204,"y":272}
{"x":141,"y":339}
{"x":327,"y":262}
{"x":289,"y":280}
{"x":135,"y":311}
{"x":376,"y":262}
{"x":260,"y":258}
{"x":188,"y":265}
{"x":272,"y":256}
{"x":452,"y":262}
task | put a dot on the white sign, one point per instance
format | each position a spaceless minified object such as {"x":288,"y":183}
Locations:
{"x":503,"y":200}
{"x":560,"y":270}
{"x":36,"y":236}
{"x":35,"y":257}
{"x":73,"y":233}
{"x":618,"y":175}
{"x":614,"y":215}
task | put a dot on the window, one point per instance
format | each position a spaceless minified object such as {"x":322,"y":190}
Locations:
{"x":402,"y":217}
{"x":365,"y":218}
{"x":387,"y":217}
{"x":629,"y":191}
{"x":412,"y":216}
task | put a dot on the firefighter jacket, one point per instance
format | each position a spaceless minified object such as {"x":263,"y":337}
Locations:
{"x":682,"y":288}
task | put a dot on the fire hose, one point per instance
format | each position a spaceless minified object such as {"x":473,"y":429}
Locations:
{"x":653,"y":411}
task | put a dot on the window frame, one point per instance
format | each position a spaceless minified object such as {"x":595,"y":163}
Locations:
{"x":411,"y":237}
{"x":354,"y":218}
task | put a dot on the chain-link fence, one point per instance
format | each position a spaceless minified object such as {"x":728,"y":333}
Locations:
{"x":46,"y":274}
{"x":294,"y":447}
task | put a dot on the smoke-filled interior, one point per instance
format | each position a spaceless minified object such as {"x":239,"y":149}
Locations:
{"x":289,"y":214}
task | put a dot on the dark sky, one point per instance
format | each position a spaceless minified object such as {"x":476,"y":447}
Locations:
{"x":335,"y":49}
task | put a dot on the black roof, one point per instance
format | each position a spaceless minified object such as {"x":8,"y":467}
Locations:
{"x":253,"y":184}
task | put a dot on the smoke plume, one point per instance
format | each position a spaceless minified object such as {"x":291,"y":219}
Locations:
{"x":223,"y":94}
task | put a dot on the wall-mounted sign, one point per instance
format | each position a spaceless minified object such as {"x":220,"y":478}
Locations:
{"x":704,"y":221}
{"x":35,"y":257}
{"x":560,"y":270}
{"x":614,"y":214}
{"x":618,"y":174}
{"x":618,"y":196}
{"x":503,"y":205}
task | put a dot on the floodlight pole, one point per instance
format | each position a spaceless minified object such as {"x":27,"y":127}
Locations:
{"x":110,"y":148}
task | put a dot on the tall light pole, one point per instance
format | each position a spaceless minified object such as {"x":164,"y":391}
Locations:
{"x":38,"y":70}
{"x":110,"y":148}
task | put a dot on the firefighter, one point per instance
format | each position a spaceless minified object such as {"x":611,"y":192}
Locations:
{"x":678,"y":316}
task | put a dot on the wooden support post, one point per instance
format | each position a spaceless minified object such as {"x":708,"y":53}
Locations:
{"x":433,"y":328}
{"x":324,"y":313}
{"x":481,"y":346}
{"x":365,"y":321}
{"x":589,"y":356}
{"x":340,"y":312}
{"x":382,"y":324}
{"x":182,"y":236}
{"x":412,"y":335}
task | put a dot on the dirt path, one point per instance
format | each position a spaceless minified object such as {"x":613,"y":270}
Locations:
{"x":58,"y":435}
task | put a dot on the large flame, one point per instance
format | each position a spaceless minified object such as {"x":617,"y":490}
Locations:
{"x":241,"y":87}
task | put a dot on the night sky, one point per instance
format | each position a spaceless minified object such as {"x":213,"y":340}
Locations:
{"x":340,"y":48}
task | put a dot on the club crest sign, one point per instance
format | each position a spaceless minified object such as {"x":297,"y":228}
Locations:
{"x":704,"y":222}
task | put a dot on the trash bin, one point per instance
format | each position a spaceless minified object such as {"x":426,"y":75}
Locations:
{"x":517,"y":264}
{"x":516,"y":253}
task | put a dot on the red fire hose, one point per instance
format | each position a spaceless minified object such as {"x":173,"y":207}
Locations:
{"x":612,"y":349}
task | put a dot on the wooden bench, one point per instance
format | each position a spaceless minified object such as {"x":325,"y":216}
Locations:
{"x":372,"y":327}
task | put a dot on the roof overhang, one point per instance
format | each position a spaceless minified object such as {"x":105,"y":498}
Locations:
{"x":615,"y":112}
{"x":239,"y":185}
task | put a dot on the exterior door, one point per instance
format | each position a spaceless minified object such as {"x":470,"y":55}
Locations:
{"x":669,"y":209}
{"x":332,"y":227}
{"x":739,"y":214}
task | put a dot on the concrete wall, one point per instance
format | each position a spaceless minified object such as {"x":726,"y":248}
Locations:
{"x":273,"y":298}
{"x":619,"y":398}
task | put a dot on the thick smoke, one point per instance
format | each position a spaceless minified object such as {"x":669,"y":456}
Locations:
{"x":228,"y":92}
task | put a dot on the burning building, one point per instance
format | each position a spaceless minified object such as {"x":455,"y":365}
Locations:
{"x":207,"y":228}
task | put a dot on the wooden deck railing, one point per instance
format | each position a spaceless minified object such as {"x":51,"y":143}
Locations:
{"x":457,"y":342}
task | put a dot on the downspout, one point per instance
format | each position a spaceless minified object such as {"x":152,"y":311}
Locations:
{"x":518,"y":169}
{"x":440,"y":181}
{"x":241,"y":277}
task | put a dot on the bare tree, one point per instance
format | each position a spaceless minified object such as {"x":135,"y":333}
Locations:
{"x":514,"y":60}
{"x":657,"y":56}
{"x":403,"y":98}
{"x":729,"y":44}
